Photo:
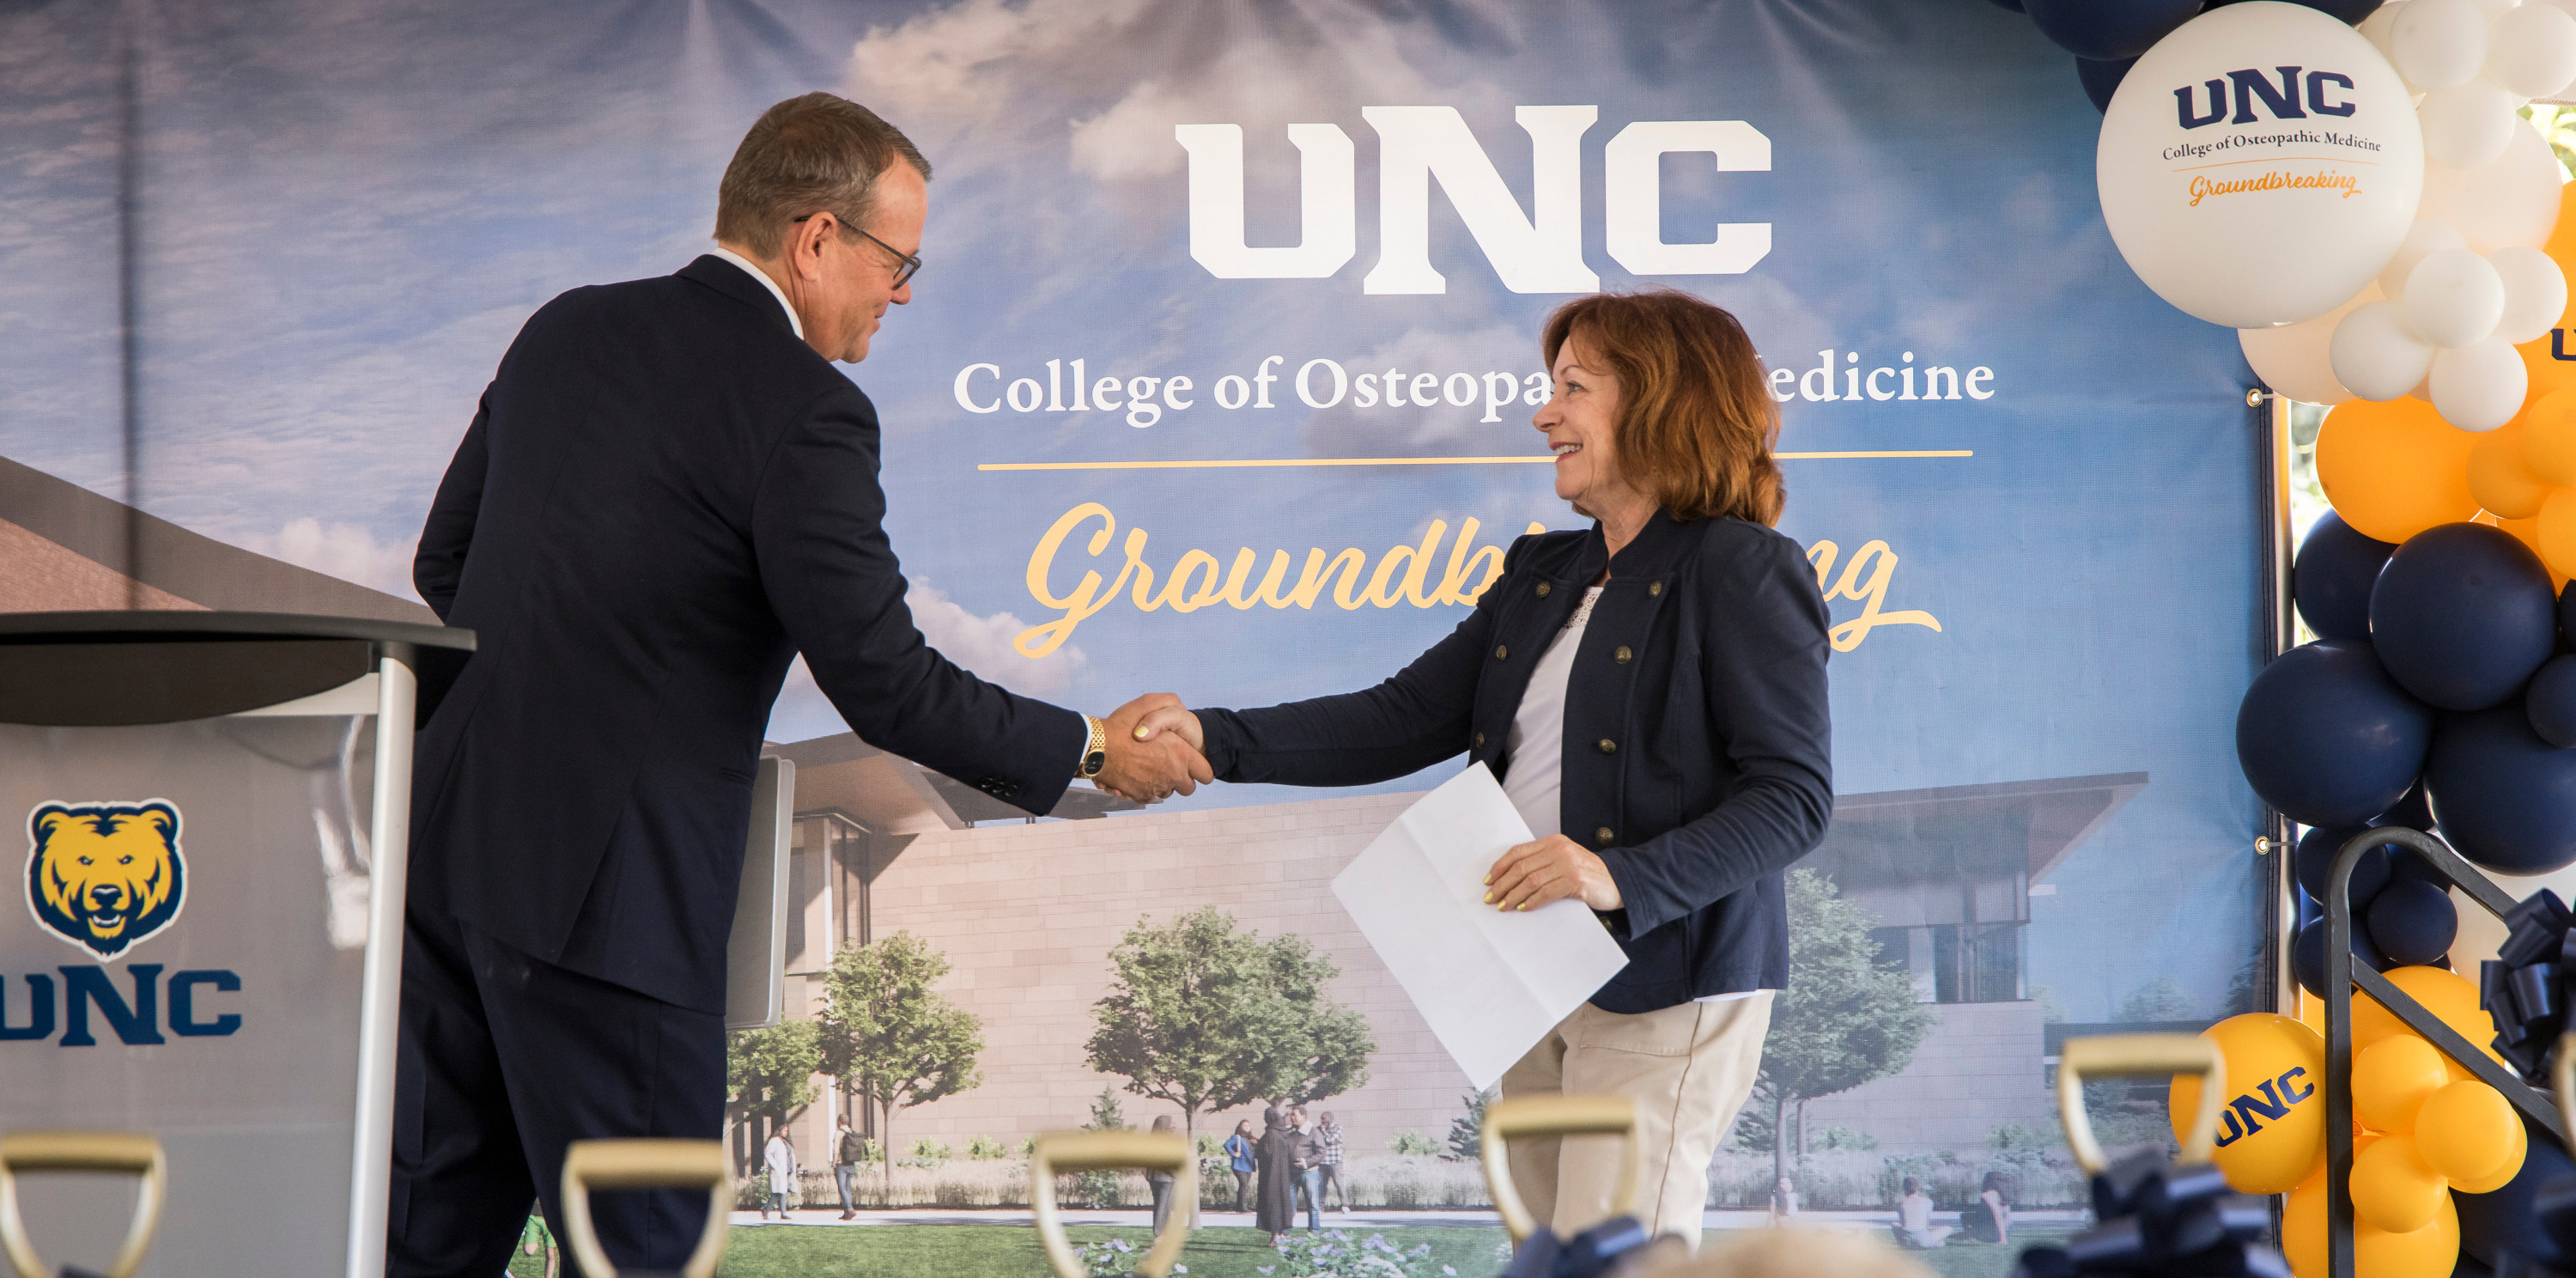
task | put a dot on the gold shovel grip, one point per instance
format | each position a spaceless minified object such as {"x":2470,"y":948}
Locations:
{"x":1554,"y":1116}
{"x":82,"y":1151}
{"x":645,"y":1164}
{"x":1053,"y":1153}
{"x":2139,"y":1056}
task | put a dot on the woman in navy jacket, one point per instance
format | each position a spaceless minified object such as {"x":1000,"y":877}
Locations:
{"x":1651,"y":692}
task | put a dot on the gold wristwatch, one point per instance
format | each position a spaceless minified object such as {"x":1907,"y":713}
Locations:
{"x":1095,"y":753}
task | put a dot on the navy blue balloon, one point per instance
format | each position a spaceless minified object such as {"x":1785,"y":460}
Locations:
{"x":2109,"y":30}
{"x":2462,"y":615}
{"x":2308,"y":955}
{"x":2315,"y":856}
{"x":2506,"y":1220}
{"x":2506,"y":798}
{"x":2014,"y":5}
{"x":2550,"y":701}
{"x":2102,"y":79}
{"x":2327,"y":738}
{"x":2352,"y":11}
{"x":2332,"y":577}
{"x":2413,"y":922}
{"x":2415,"y":812}
{"x":2567,"y":609}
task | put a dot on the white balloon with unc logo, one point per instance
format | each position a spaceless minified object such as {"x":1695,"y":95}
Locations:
{"x":2259,"y":166}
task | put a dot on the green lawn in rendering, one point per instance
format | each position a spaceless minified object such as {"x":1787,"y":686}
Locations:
{"x":1011,"y":1251}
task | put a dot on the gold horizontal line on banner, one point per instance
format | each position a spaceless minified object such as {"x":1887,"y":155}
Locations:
{"x":1267,"y":462}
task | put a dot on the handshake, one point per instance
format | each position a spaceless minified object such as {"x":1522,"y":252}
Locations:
{"x":1154,"y":749}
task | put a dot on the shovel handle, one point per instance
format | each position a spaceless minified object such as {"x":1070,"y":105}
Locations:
{"x":2136,"y":1056}
{"x":1554,"y":1116}
{"x":1055,"y":1152}
{"x":644,"y":1164}
{"x":89,"y":1151}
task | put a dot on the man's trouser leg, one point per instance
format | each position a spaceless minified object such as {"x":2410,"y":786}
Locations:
{"x":1688,"y":1068}
{"x":847,"y":1174}
{"x":514,"y":1056}
{"x":1332,"y":1184}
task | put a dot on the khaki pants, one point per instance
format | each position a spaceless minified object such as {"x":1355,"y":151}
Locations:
{"x":1689,"y":1068}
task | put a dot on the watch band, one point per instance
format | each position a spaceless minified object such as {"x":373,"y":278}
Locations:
{"x":1095,"y":751}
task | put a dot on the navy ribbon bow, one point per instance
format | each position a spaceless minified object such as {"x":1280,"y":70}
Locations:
{"x":2524,"y":986}
{"x":2162,"y":1221}
{"x":1594,"y":1253}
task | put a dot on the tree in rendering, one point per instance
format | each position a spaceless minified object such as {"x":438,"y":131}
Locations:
{"x":892,"y":1040}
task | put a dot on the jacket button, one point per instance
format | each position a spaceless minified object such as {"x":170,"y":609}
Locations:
{"x":1622,"y":655}
{"x":1542,"y":590}
{"x":1654,"y":587}
{"x":1609,"y":746}
{"x":1480,"y":741}
{"x":1502,"y":652}
{"x":1603,"y":836}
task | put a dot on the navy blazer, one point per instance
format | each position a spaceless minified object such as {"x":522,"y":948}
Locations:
{"x":1698,"y":744}
{"x":664,"y":497}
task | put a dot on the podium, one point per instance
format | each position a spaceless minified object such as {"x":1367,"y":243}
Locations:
{"x":208,"y":941}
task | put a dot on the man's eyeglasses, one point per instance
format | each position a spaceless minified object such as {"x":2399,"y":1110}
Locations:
{"x":907,"y":266}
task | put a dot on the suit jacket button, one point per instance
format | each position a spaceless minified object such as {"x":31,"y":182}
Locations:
{"x":1609,"y":746}
{"x":1480,"y":741}
{"x":1502,"y":652}
{"x":1654,"y":587}
{"x":1622,"y":655}
{"x":1602,"y":836}
{"x":1542,"y":590}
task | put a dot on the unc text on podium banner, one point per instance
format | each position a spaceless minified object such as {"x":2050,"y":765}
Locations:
{"x":1067,"y":385}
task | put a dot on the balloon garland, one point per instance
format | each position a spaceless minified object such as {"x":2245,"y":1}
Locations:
{"x":2348,"y":185}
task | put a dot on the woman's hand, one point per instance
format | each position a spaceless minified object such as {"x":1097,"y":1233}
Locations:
{"x":1162,"y":712}
{"x":1550,"y":869}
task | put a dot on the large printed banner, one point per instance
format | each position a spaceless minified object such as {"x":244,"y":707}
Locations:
{"x":1218,"y":381}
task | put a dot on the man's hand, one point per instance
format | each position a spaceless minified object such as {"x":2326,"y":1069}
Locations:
{"x":1147,"y":766}
{"x":1167,"y":715}
{"x":1551,"y":869}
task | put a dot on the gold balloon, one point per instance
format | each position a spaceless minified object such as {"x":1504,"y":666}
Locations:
{"x":2394,"y":469}
{"x":2430,"y":1252}
{"x":2394,"y":1188}
{"x":2517,"y":1148}
{"x":2273,"y":1133}
{"x":2464,"y":1130}
{"x":2451,"y":998}
{"x":2500,"y":479}
{"x":2549,"y":438}
{"x":2554,"y":532}
{"x":2392,"y":1077}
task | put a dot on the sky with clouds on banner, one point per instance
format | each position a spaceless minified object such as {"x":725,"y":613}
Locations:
{"x":346,"y":210}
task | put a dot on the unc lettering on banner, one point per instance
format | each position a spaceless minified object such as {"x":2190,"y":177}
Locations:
{"x":2281,"y":101}
{"x":1538,"y":253}
{"x":2242,"y":1116}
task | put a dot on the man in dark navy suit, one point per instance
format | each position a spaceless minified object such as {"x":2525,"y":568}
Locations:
{"x":667,"y":493}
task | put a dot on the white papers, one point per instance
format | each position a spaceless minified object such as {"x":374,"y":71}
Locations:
{"x":1490,"y":984}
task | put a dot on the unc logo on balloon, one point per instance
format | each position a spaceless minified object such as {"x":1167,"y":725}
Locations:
{"x":2242,"y":1116}
{"x":2281,"y":101}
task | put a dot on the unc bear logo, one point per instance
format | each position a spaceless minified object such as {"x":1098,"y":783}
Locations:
{"x":105,"y":876}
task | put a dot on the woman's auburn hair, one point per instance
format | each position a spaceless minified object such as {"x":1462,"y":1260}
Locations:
{"x":1696,"y":421}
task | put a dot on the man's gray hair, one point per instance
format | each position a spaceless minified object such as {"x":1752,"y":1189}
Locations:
{"x":812,"y":154}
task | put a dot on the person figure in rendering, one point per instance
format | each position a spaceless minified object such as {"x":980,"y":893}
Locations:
{"x":780,"y":1158}
{"x":667,"y":493}
{"x":1240,"y":1150}
{"x":1160,"y":1182}
{"x":846,"y":1149}
{"x":1784,"y":1202}
{"x":1914,"y":1228}
{"x":1310,"y":1169}
{"x":1328,"y":1137}
{"x":1989,"y":1219}
{"x":1275,"y":1199}
{"x":1651,"y":693}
